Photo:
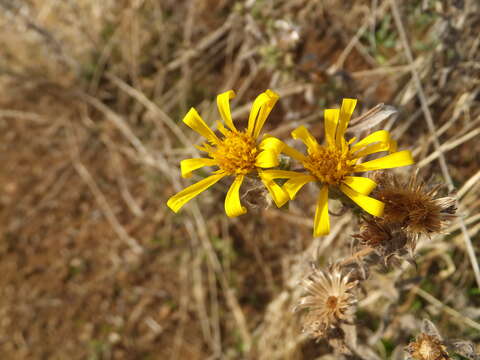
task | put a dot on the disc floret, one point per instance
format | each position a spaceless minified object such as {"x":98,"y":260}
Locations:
{"x":328,"y":165}
{"x":236,"y":153}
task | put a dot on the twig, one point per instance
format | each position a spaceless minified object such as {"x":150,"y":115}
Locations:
{"x":448,"y":146}
{"x":353,"y":42}
{"x":210,"y":323}
{"x":431,"y":127}
{"x":212,"y":257}
{"x":452,"y":312}
{"x":151,"y":106}
{"x":107,"y":210}
{"x":359,"y":254}
{"x":469,"y":184}
{"x":186,"y":68}
{"x":17,"y":115}
{"x":21,"y":11}
{"x":100,"y":198}
{"x":470,"y":220}
{"x":183,"y":308}
{"x":122,"y":182}
{"x":202,"y":45}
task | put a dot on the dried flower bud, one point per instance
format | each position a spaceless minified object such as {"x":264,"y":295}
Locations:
{"x":256,"y":196}
{"x":328,"y":301}
{"x":413,"y":205}
{"x":387,"y":240}
{"x":427,"y":347}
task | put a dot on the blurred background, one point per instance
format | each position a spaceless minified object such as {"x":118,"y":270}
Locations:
{"x":95,"y":266}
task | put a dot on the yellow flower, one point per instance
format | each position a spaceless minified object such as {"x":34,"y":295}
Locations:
{"x":334,"y":163}
{"x":237,"y":154}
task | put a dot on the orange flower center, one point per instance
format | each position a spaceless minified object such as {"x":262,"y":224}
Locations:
{"x":236,"y":153}
{"x":332,"y":302}
{"x":328,"y":165}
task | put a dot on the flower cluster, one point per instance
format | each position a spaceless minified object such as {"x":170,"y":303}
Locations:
{"x":412,"y":209}
{"x":395,"y":212}
{"x":242,"y":153}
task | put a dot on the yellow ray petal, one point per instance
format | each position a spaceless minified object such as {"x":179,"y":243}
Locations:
{"x":261,"y":108}
{"x":272,"y":148}
{"x":223,"y":104}
{"x":181,"y":198}
{"x":370,"y":205}
{"x":196,"y":123}
{"x":297,"y":155}
{"x":223,"y":130}
{"x":303,"y":134}
{"x":331,"y":123}
{"x":346,"y":111}
{"x":382,"y":136}
{"x":321,"y":225}
{"x":398,"y":159}
{"x":372,"y":149}
{"x":263,"y":115}
{"x":294,"y":184}
{"x":279,"y":196}
{"x":266,"y":159}
{"x":189,"y":165}
{"x":271,"y":143}
{"x":362,"y":185}
{"x":233,"y":207}
{"x":281,"y":174}
{"x":205,"y":147}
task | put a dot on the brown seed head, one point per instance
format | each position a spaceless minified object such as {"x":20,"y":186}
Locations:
{"x":386,"y":239}
{"x":328,"y":300}
{"x":413,"y":205}
{"x":427,"y":347}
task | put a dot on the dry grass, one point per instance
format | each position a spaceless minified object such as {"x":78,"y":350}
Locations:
{"x":94,"y":265}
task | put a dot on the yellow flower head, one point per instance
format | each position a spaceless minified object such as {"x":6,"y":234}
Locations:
{"x":334,"y":163}
{"x":236,"y":153}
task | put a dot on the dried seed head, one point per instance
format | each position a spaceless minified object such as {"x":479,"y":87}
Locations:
{"x":413,"y":205}
{"x":427,"y":347}
{"x":386,"y":239}
{"x":390,"y":242}
{"x":328,"y":301}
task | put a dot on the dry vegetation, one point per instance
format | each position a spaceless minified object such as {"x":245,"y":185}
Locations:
{"x":93,"y":263}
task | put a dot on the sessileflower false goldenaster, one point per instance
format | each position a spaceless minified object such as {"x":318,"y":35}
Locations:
{"x":236,"y":153}
{"x":333,"y":164}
